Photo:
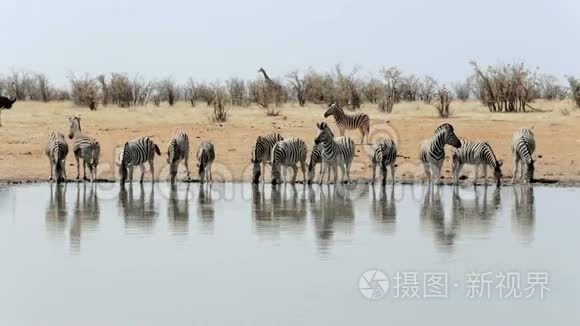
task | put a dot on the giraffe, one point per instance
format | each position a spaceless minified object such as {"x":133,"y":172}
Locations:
{"x":273,"y":88}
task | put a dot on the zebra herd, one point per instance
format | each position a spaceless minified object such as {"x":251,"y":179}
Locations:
{"x":333,"y":153}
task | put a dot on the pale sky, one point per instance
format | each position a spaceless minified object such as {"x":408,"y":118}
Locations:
{"x":215,"y":40}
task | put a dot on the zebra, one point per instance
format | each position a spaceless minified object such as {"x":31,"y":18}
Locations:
{"x":523,"y":146}
{"x":84,"y":147}
{"x":205,"y":158}
{"x":178,"y":150}
{"x":137,"y":152}
{"x":288,"y":153}
{"x":315,"y":158}
{"x":261,"y":154}
{"x":335,"y":152}
{"x":432,"y":151}
{"x":475,"y":152}
{"x":383,"y":153}
{"x":344,"y":121}
{"x":56,"y":151}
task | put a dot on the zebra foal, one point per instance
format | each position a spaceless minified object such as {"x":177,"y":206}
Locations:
{"x":475,"y":152}
{"x":205,"y":158}
{"x":344,"y":121}
{"x":56,"y":151}
{"x":84,"y":147}
{"x":336,"y":152}
{"x":383,"y":154}
{"x":523,"y":147}
{"x":136,"y":153}
{"x":261,"y":154}
{"x":432,"y":151}
{"x":178,"y":150}
{"x":288,"y":153}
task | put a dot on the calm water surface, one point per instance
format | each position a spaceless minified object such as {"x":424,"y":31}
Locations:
{"x":235,"y":253}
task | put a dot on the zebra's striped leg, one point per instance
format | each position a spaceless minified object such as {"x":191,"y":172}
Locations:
{"x":84,"y":170}
{"x":427,"y":168}
{"x":335,"y":168}
{"x":515,"y":169}
{"x":485,"y":174}
{"x":476,"y":174}
{"x":374,"y":167}
{"x":362,"y":140}
{"x":186,"y":162}
{"x":295,"y":170}
{"x":263,"y":171}
{"x":51,"y":170}
{"x":348,"y":172}
{"x":142,"y":168}
{"x":303,"y":168}
{"x":131,"y":174}
{"x":63,"y":163}
{"x":78,"y":166}
{"x":437,"y":171}
{"x":343,"y":172}
{"x":152,"y":168}
{"x":323,"y":168}
{"x":210,"y":174}
{"x":393,"y":172}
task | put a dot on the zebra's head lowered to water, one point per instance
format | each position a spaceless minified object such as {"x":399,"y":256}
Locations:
{"x":448,"y":134}
{"x":497,"y":174}
{"x":75,"y":126}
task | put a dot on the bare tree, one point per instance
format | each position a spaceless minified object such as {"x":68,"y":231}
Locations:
{"x":574,"y":90}
{"x":220,"y":110}
{"x":237,"y":90}
{"x":427,"y":89}
{"x":168,"y":91}
{"x":443,"y":101}
{"x":463,"y":89}
{"x":85,"y":91}
{"x":299,"y":87}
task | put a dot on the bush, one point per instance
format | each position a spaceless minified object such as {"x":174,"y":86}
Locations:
{"x":85,"y":91}
{"x":463,"y":90}
{"x":237,"y":91}
{"x":443,"y":101}
{"x":220,"y":110}
{"x":298,"y":85}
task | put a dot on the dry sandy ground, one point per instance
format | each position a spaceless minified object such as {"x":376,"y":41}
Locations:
{"x":26,"y":126}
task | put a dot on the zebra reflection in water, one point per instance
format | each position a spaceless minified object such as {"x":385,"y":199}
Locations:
{"x":139,"y":215}
{"x":178,"y":211}
{"x":524,"y":212}
{"x":433,"y":214}
{"x":476,"y":214}
{"x":384,"y":210}
{"x":285,"y":210}
{"x":332,"y":211}
{"x":205,"y":207}
{"x":86,"y":214}
{"x":56,"y":210}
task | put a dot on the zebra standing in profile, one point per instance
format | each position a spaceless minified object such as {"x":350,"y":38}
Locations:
{"x":178,"y":150}
{"x":432,"y":151}
{"x":205,"y":158}
{"x":335,"y":152}
{"x":384,"y":153}
{"x":475,"y":152}
{"x":84,"y":147}
{"x":137,"y":152}
{"x":288,"y":153}
{"x":343,"y":121}
{"x":261,"y":154}
{"x":56,"y":151}
{"x":523,"y":147}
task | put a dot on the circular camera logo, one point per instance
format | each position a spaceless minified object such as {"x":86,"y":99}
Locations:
{"x":373,"y":284}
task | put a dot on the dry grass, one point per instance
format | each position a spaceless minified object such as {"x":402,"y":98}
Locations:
{"x":22,"y":138}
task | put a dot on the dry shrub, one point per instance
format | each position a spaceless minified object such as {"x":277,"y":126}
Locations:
{"x":84,"y":91}
{"x":298,"y":85}
{"x":574,"y":90}
{"x":347,"y":90}
{"x":372,"y":90}
{"x":463,"y":90}
{"x":550,"y":89}
{"x":443,"y":101}
{"x":168,"y":91}
{"x":237,"y":91}
{"x":220,"y":109}
{"x":319,"y":88}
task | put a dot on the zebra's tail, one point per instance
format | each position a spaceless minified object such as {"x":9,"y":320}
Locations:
{"x":156,"y":148}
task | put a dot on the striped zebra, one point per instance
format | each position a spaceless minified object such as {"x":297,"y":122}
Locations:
{"x":84,"y":147}
{"x":344,"y":121}
{"x":178,"y":150}
{"x":523,"y":147}
{"x":288,"y":153}
{"x":432,"y":151}
{"x":136,"y":153}
{"x":315,"y":158}
{"x":475,"y":152}
{"x":205,"y":158}
{"x":383,"y":154}
{"x":56,"y":151}
{"x":261,"y":154}
{"x":335,"y":152}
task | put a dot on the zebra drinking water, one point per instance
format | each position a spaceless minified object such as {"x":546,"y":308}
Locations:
{"x":56,"y":151}
{"x":315,"y":158}
{"x":178,"y":150}
{"x":205,"y":158}
{"x":344,"y":121}
{"x":335,"y":152}
{"x":84,"y":147}
{"x":288,"y":153}
{"x":137,"y":152}
{"x":261,"y":154}
{"x":523,"y":147}
{"x":383,"y":153}
{"x":475,"y":152}
{"x":432,"y":151}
